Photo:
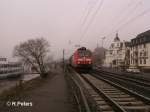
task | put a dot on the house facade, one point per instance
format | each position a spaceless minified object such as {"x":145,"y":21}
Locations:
{"x":140,"y":52}
{"x":117,"y":56}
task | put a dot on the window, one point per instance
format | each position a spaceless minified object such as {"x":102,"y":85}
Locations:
{"x":140,"y":53}
{"x":136,"y":47}
{"x":144,"y":53}
{"x":110,"y":52}
{"x":144,"y":61}
{"x":84,"y":53}
{"x":140,"y":61}
{"x":136,"y":61}
{"x":117,"y":44}
{"x":144,"y":45}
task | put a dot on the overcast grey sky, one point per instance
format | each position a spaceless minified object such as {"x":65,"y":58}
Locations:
{"x":82,"y":22}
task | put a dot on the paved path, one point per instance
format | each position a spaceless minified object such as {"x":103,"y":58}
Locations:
{"x":52,"y":96}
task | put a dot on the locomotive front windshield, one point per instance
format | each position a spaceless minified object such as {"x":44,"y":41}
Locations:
{"x":84,"y":53}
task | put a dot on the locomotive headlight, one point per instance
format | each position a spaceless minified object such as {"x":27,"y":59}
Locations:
{"x":78,"y":62}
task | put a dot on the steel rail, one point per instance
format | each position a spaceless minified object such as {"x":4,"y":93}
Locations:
{"x":128,"y":75}
{"x":138,"y":96}
{"x":87,"y":108}
{"x":141,"y":89}
{"x":127,"y":78}
{"x":115,"y":106}
{"x":110,"y":96}
{"x":83,"y":97}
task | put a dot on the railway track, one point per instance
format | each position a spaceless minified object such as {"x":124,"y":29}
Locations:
{"x":138,"y":76}
{"x":140,"y":86}
{"x":111,"y":97}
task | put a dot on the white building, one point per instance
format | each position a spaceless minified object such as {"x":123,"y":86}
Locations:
{"x":7,"y":67}
{"x":3,"y":60}
{"x":140,"y":52}
{"x":118,"y":54}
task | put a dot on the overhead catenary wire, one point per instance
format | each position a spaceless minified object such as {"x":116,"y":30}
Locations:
{"x":130,"y":4}
{"x":128,"y":14}
{"x":135,"y":18}
{"x":91,"y":20}
{"x":133,"y":9}
{"x":82,"y":17}
{"x":88,"y":12}
{"x":123,"y":24}
{"x":85,"y":14}
{"x":135,"y":5}
{"x":123,"y":10}
{"x":119,"y":16}
{"x":132,"y":20}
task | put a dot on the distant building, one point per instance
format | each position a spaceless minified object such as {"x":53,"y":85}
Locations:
{"x":99,"y":55}
{"x":140,"y":52}
{"x":118,"y":54}
{"x":8,"y":68}
{"x":3,"y":60}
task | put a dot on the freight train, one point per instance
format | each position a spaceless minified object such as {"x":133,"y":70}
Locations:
{"x":81,"y":59}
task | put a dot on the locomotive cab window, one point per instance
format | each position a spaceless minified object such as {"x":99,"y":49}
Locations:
{"x":85,"y":53}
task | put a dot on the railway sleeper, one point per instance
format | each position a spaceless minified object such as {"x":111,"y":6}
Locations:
{"x":121,"y":93}
{"x":109,"y":89}
{"x":102,"y":102}
{"x":124,"y":99}
{"x":120,"y":96}
{"x":137,"y":108}
{"x":105,"y":107}
{"x":131,"y":103}
{"x":95,"y":95}
{"x":115,"y":91}
{"x":108,"y":111}
{"x":98,"y":99}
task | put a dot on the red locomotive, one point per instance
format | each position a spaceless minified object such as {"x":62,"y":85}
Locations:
{"x":81,"y":59}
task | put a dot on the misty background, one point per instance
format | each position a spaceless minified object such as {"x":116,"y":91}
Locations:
{"x":66,"y":23}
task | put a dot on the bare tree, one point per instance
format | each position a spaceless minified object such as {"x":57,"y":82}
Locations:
{"x":33,"y":52}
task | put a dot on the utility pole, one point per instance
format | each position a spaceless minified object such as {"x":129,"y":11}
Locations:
{"x":64,"y":59}
{"x":103,"y":40}
{"x":97,"y":44}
